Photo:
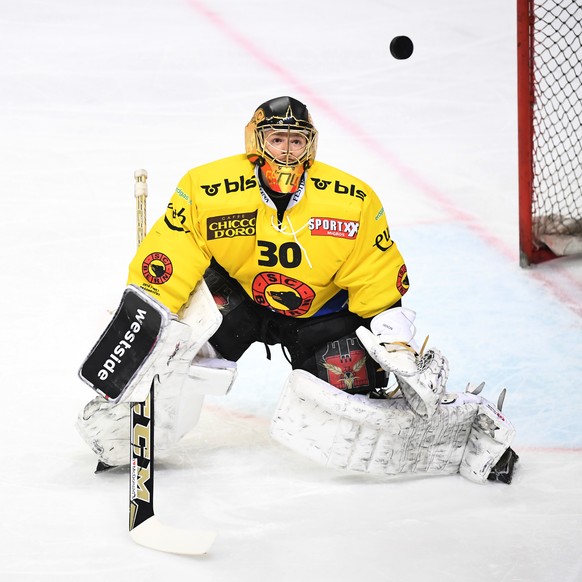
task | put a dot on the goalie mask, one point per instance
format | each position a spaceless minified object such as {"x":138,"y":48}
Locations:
{"x":282,"y":140}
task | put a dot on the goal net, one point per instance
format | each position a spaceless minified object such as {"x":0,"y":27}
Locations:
{"x":550,"y":128}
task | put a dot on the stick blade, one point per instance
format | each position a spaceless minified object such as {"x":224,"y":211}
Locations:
{"x":155,"y":535}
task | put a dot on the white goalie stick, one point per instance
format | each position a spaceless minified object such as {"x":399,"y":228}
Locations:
{"x":144,"y":527}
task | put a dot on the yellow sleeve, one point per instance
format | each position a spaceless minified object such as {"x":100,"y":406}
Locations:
{"x":374,"y":274}
{"x":173,"y":256}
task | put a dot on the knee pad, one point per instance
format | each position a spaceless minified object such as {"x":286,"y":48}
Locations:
{"x":345,"y":364}
{"x":329,"y":348}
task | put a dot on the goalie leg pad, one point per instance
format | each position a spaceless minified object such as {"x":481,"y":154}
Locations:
{"x":104,"y":425}
{"x":503,"y":469}
{"x":350,"y":431}
{"x":490,"y":436}
{"x":213,"y":376}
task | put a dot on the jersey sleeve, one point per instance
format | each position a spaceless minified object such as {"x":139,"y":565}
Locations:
{"x":374,"y":274}
{"x":173,"y":256}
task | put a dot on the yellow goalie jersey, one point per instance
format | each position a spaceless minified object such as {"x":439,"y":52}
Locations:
{"x":330,"y":250}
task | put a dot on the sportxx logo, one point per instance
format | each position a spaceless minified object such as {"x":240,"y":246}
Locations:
{"x":231,"y":225}
{"x":230,"y":186}
{"x":339,"y":188}
{"x":336,"y":227}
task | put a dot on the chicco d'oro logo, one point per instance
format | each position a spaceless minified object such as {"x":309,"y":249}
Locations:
{"x":157,"y":268}
{"x":229,"y":226}
{"x":282,"y":294}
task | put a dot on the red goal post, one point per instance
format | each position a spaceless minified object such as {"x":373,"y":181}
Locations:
{"x":549,"y":74}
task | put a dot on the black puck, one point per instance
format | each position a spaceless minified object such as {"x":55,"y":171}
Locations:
{"x":401,"y":47}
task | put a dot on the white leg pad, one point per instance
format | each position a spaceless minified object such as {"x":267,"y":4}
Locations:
{"x":213,"y":376}
{"x":179,"y":394}
{"x":490,"y":436}
{"x":104,"y":426}
{"x":384,"y":437}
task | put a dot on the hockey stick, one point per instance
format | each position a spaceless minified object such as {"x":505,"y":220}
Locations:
{"x":144,"y":527}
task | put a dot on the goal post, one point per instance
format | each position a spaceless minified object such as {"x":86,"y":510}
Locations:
{"x":549,"y":80}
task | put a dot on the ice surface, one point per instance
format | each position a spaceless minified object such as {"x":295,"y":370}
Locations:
{"x":90,"y":92}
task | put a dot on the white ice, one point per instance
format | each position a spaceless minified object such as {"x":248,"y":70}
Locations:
{"x":91,"y":91}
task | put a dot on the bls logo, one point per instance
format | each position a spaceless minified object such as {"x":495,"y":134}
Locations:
{"x":339,"y":188}
{"x":320,"y":184}
{"x":230,"y":186}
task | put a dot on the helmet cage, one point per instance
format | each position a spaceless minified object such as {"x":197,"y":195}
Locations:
{"x":260,"y":127}
{"x":289,"y":153}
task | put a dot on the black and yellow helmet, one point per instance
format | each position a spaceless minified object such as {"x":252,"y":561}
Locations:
{"x":282,"y":117}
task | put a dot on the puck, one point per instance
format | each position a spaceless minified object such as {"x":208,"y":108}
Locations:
{"x":401,"y":47}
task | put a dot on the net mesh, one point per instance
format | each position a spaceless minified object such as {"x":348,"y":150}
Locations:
{"x":557,"y":153}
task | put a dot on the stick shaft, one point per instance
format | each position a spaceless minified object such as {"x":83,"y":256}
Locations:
{"x":141,"y":502}
{"x":141,"y":193}
{"x":144,"y":527}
